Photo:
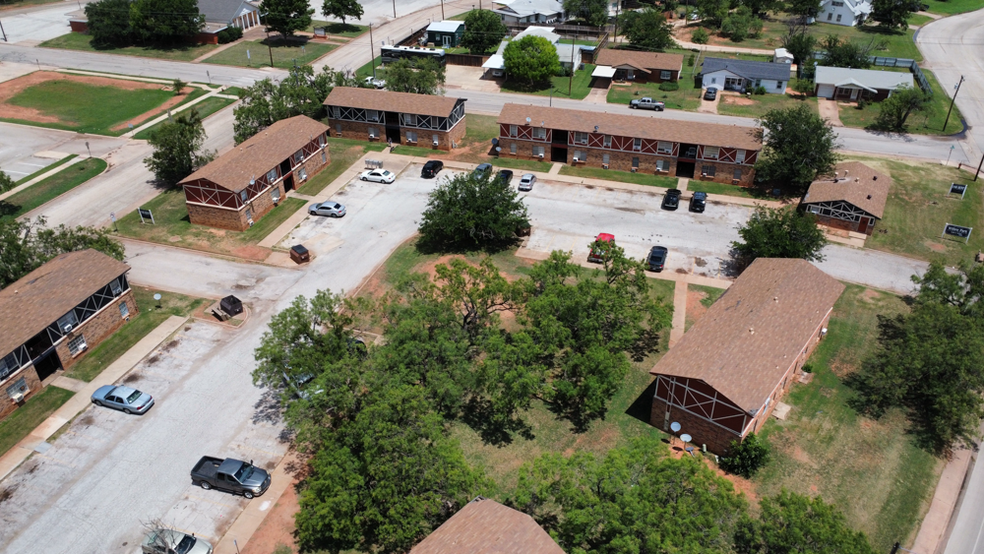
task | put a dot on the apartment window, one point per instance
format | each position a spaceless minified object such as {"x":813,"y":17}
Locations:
{"x":512,"y":148}
{"x":830,"y":16}
{"x":271,"y":177}
{"x":740,"y":157}
{"x":664,"y":147}
{"x":662,"y":165}
{"x":338,"y":129}
{"x":372,"y":115}
{"x":434,"y":138}
{"x":580,"y":155}
{"x":411,"y":136}
{"x":8,"y":365}
{"x":709,"y":170}
{"x":302,"y":175}
{"x":737,"y":174}
{"x":324,"y":157}
{"x":244,"y":196}
{"x":836,"y":4}
{"x":538,"y":151}
{"x":373,"y":132}
{"x":780,"y":85}
{"x":335,"y":112}
{"x":607,"y":141}
{"x":665,"y":75}
{"x":711,"y":152}
{"x":637,"y":144}
{"x":19,"y":387}
{"x":605,"y":158}
{"x":635,"y":163}
{"x":249,"y":216}
{"x":580,"y":138}
{"x":124,"y":310}
{"x":115,"y":287}
{"x":275,"y":195}
{"x":321,"y":138}
{"x":838,"y":18}
{"x":410,"y":119}
{"x":539,"y":133}
{"x":77,"y":344}
{"x":514,"y":130}
{"x":298,"y":156}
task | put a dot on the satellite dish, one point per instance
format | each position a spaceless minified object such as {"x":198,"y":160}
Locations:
{"x":675,"y":427}
{"x":685,"y":437}
{"x":495,"y":141}
{"x":528,"y":120}
{"x":498,"y":149}
{"x":157,"y":296}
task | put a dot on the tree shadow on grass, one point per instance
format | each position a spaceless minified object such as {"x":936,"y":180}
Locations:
{"x":8,"y":209}
{"x":339,"y":28}
{"x":481,"y":418}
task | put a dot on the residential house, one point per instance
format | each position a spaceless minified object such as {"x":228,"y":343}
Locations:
{"x":725,"y":376}
{"x":842,"y":83}
{"x":853,"y":199}
{"x":238,"y":188}
{"x":710,"y":151}
{"x":53,"y":315}
{"x":484,"y":526}
{"x":844,"y":12}
{"x":530,"y":11}
{"x":638,"y":66}
{"x":744,"y":75}
{"x":221,"y":14}
{"x":445,"y":34}
{"x":568,"y":54}
{"x":397,"y":117}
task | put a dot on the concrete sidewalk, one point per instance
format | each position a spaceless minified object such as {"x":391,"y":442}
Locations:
{"x":935,"y":526}
{"x":42,"y":177}
{"x":15,"y":456}
{"x":249,"y":520}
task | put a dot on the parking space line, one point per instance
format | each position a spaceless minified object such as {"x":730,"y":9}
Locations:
{"x":213,"y":502}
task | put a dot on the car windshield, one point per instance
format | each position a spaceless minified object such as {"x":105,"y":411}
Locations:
{"x":387,"y":173}
{"x":186,"y":544}
{"x":244,"y":473}
{"x":336,"y":206}
{"x":133,"y":397}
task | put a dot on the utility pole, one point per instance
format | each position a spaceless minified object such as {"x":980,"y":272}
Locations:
{"x":372,"y":53}
{"x":394,"y":9}
{"x":442,"y":11}
{"x":618,"y":4}
{"x":4,"y":32}
{"x":951,"y":103}
{"x":270,"y":48}
{"x":570,"y":84}
{"x":976,"y":173}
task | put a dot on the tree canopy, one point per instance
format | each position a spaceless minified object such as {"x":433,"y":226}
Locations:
{"x":108,"y":23}
{"x":531,"y":60}
{"x":6,"y":182}
{"x":741,"y":24}
{"x":647,"y":29}
{"x":894,"y":14}
{"x":801,"y":44}
{"x":798,"y":146}
{"x":287,"y":16}
{"x":178,"y":148}
{"x":484,"y":31}
{"x":342,"y":9}
{"x":895,"y":110}
{"x":803,"y":9}
{"x":592,"y":12}
{"x":713,"y":12}
{"x":847,"y":53}
{"x":416,"y":75}
{"x":779,"y":233}
{"x":165,"y":22}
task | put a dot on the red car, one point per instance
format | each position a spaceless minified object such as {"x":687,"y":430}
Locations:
{"x":597,"y":254}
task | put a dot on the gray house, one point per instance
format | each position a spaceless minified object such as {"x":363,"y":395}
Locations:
{"x":744,"y":76}
{"x":445,"y":34}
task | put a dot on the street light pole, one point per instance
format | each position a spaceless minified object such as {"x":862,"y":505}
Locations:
{"x":951,"y":103}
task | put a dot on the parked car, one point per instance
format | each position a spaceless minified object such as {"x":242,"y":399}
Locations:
{"x":171,"y":541}
{"x":235,"y":476}
{"x":131,"y":401}
{"x":505,"y":176}
{"x":657,"y":258}
{"x":711,"y":94}
{"x":329,"y":209}
{"x":671,"y":200}
{"x":482,"y":169}
{"x":526,"y":182}
{"x":646,"y":103}
{"x":378,"y":176}
{"x":431,"y":169}
{"x":377,"y":83}
{"x":597,"y":254}
{"x":698,"y":201}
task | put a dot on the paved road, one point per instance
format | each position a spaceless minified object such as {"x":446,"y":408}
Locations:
{"x":20,"y":143}
{"x":967,"y":536}
{"x":38,"y":25}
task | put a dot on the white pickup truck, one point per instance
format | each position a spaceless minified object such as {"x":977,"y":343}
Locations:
{"x":646,"y":103}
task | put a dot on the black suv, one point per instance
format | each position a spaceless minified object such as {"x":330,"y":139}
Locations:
{"x":671,"y":200}
{"x":505,"y":176}
{"x":698,"y":201}
{"x":657,"y":258}
{"x":431,"y":169}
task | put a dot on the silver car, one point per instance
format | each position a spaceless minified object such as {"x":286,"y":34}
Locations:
{"x":330,"y":209}
{"x":526,"y":183}
{"x":378,"y":176}
{"x":169,"y":541}
{"x":123,"y":398}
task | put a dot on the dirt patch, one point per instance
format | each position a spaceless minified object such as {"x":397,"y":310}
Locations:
{"x":131,"y":378}
{"x":935,"y":246}
{"x":695,"y":309}
{"x":278,"y":525}
{"x":255,"y":253}
{"x":738,"y":100}
{"x":869,"y":295}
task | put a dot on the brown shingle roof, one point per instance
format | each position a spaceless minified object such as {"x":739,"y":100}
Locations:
{"x":640,"y":60}
{"x":260,"y":153}
{"x":403,"y":102}
{"x":855,"y":183}
{"x":42,"y":296}
{"x":486,"y":527}
{"x":747,"y":340}
{"x":673,"y":130}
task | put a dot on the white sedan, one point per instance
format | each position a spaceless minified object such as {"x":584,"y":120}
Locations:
{"x":378,"y":176}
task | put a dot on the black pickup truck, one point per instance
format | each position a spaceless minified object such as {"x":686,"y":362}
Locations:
{"x":231,"y":475}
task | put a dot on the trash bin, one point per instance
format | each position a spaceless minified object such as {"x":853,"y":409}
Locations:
{"x":299,"y":254}
{"x":231,"y":305}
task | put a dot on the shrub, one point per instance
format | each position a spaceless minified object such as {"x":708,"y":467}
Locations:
{"x":691,"y":60}
{"x":669,"y":87}
{"x":699,"y":36}
{"x":759,"y":90}
{"x":177,"y":85}
{"x":747,"y":457}
{"x":229,"y":34}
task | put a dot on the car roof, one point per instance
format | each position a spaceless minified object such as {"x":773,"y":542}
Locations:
{"x":700,"y":195}
{"x":605,"y":237}
{"x":123,"y":391}
{"x":432,"y":162}
{"x":673,"y":191}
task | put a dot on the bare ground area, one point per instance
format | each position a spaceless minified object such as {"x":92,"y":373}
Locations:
{"x":277,"y":527}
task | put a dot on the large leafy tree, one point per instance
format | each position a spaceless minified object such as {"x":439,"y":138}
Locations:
{"x":741,"y":24}
{"x":798,"y":146}
{"x":592,"y":12}
{"x":712,"y":12}
{"x":178,"y":148}
{"x":469,"y":211}
{"x":803,"y":9}
{"x":779,"y":233}
{"x":633,"y":500}
{"x":483,"y":31}
{"x":342,"y":9}
{"x":847,"y":53}
{"x":531,"y":60}
{"x":759,"y":7}
{"x":165,"y":22}
{"x":109,"y":23}
{"x":416,"y":75}
{"x":791,"y":522}
{"x":287,"y":16}
{"x":647,"y":29}
{"x":894,"y":14}
{"x":26,"y":245}
{"x":801,"y":44}
{"x":895,"y":110}
{"x":929,"y":360}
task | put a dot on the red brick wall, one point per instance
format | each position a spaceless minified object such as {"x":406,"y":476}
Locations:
{"x":79,"y":26}
{"x":29,"y":374}
{"x":96,"y":329}
{"x":360,"y":131}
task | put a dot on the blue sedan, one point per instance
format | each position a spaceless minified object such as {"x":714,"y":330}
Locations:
{"x":129,"y":400}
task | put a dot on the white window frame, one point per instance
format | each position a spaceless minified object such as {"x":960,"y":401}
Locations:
{"x":780,"y":85}
{"x":711,"y":152}
{"x":275,"y":194}
{"x":512,"y":148}
{"x":77,"y":345}
{"x":580,"y":138}
{"x":581,"y":155}
{"x":124,"y":310}
{"x":68,"y":319}
{"x":115,"y":286}
{"x":301,"y":175}
{"x":737,"y":174}
{"x":664,"y":147}
{"x":665,"y":75}
{"x":637,"y":144}
{"x":411,"y":136}
{"x":338,"y":129}
{"x":539,"y":151}
{"x":739,"y":156}
{"x":271,"y":176}
{"x":838,"y":18}
{"x":662,"y":165}
{"x":539,"y":133}
{"x":607,"y":141}
{"x":434,"y":138}
{"x":709,"y":170}
{"x":606,"y":158}
{"x":298,"y":156}
{"x":635,"y":162}
{"x":244,"y":196}
{"x":372,"y":115}
{"x":514,"y":130}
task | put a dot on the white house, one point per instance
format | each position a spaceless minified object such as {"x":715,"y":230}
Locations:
{"x":844,"y":12}
{"x":841,"y":83}
{"x":744,"y":76}
{"x":568,"y":54}
{"x":530,"y":11}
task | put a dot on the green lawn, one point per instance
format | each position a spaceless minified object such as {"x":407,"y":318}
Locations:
{"x":139,"y":326}
{"x":952,"y":7}
{"x":761,"y":103}
{"x":869,"y":469}
{"x":79,"y":41}
{"x":919,"y":20}
{"x":204,"y":108}
{"x":928,"y":122}
{"x":344,"y":153}
{"x":710,"y":187}
{"x":337,"y":29}
{"x":43,"y":191}
{"x":25,"y":419}
{"x":45,"y":169}
{"x":685,"y":98}
{"x":86,"y":108}
{"x":560,"y":87}
{"x":366,"y":70}
{"x":897,"y":44}
{"x":285,"y":54}
{"x":620,"y":176}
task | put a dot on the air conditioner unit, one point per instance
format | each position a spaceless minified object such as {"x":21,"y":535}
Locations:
{"x":735,"y":181}
{"x":372,"y":135}
{"x":435,"y":143}
{"x":17,"y":397}
{"x":604,"y":166}
{"x":634,"y":169}
{"x":67,"y":328}
{"x":575,"y":159}
{"x":540,"y":155}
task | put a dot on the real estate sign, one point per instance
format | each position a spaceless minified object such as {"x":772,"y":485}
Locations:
{"x":957,"y":231}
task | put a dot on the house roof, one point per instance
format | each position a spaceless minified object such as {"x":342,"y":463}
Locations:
{"x":545,"y":32}
{"x":673,"y":130}
{"x":486,"y":527}
{"x":260,"y":153}
{"x":748,"y":69}
{"x":646,"y":61}
{"x":403,"y":102}
{"x":445,"y":26}
{"x":526,"y":8}
{"x":222,"y":11}
{"x":871,"y":78}
{"x":855,"y":183}
{"x":746,"y":341}
{"x":39,"y":298}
